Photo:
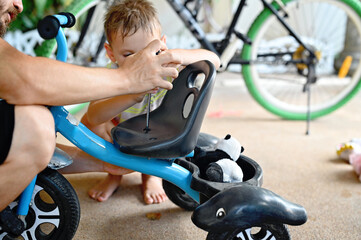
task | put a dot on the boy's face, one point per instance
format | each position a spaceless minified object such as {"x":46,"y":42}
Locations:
{"x":122,"y":48}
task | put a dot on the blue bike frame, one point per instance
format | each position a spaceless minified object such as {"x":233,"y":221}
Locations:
{"x":92,"y":144}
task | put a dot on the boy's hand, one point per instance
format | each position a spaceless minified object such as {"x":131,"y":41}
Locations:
{"x":179,"y":65}
{"x":139,"y":97}
{"x":174,"y":65}
{"x":147,"y":71}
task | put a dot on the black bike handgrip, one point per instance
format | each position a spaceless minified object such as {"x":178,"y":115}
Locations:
{"x":48,"y":27}
{"x":71,"y":19}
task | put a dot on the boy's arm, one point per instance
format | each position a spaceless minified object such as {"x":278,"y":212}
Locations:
{"x":104,"y":110}
{"x":189,"y":56}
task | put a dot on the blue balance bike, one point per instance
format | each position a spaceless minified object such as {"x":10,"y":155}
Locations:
{"x":49,"y":207}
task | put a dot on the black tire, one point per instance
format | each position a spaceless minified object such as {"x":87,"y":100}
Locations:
{"x":54,"y":213}
{"x":264,"y":231}
{"x":179,"y":197}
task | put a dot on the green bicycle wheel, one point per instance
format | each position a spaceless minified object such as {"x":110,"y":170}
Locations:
{"x":333,"y":30}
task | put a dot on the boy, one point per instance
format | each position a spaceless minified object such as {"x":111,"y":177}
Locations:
{"x":130,"y":25}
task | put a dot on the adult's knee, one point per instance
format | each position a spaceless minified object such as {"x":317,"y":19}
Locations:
{"x":34,"y":128}
{"x":44,"y":130}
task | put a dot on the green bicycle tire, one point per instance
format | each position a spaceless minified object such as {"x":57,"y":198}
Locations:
{"x":260,"y":98}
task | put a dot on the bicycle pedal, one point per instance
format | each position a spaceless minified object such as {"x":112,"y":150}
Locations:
{"x":10,"y":223}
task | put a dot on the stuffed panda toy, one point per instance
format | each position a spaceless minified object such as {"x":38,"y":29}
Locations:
{"x":220,"y":164}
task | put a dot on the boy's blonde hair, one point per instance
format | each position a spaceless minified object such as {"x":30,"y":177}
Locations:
{"x":128,"y":16}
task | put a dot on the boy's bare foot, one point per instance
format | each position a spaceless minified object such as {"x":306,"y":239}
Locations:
{"x":152,"y":189}
{"x":103,"y":190}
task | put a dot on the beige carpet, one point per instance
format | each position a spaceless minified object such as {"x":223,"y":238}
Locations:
{"x":303,"y":169}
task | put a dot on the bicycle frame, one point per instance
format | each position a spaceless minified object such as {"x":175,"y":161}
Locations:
{"x":89,"y":142}
{"x":219,"y":48}
{"x":86,"y":140}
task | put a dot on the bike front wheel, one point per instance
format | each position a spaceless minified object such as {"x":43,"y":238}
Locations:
{"x":262,"y":232}
{"x":54,"y":210}
{"x":276,"y":76}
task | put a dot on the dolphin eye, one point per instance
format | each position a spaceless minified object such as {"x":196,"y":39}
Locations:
{"x":220,"y":213}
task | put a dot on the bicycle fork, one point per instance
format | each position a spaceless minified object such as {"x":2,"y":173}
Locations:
{"x":25,"y":199}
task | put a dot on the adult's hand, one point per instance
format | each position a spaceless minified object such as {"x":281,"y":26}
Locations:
{"x":146,"y":70}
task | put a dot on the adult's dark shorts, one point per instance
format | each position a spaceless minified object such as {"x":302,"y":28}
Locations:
{"x":6,"y":128}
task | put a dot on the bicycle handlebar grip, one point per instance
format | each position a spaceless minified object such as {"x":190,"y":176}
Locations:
{"x":48,"y":27}
{"x":71,"y":19}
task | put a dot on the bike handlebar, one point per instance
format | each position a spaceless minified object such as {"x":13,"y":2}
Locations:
{"x":49,"y":26}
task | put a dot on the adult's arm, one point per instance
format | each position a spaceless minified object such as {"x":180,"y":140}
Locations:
{"x":36,"y":80}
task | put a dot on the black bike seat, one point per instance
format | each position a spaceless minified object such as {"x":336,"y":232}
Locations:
{"x":175,"y":124}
